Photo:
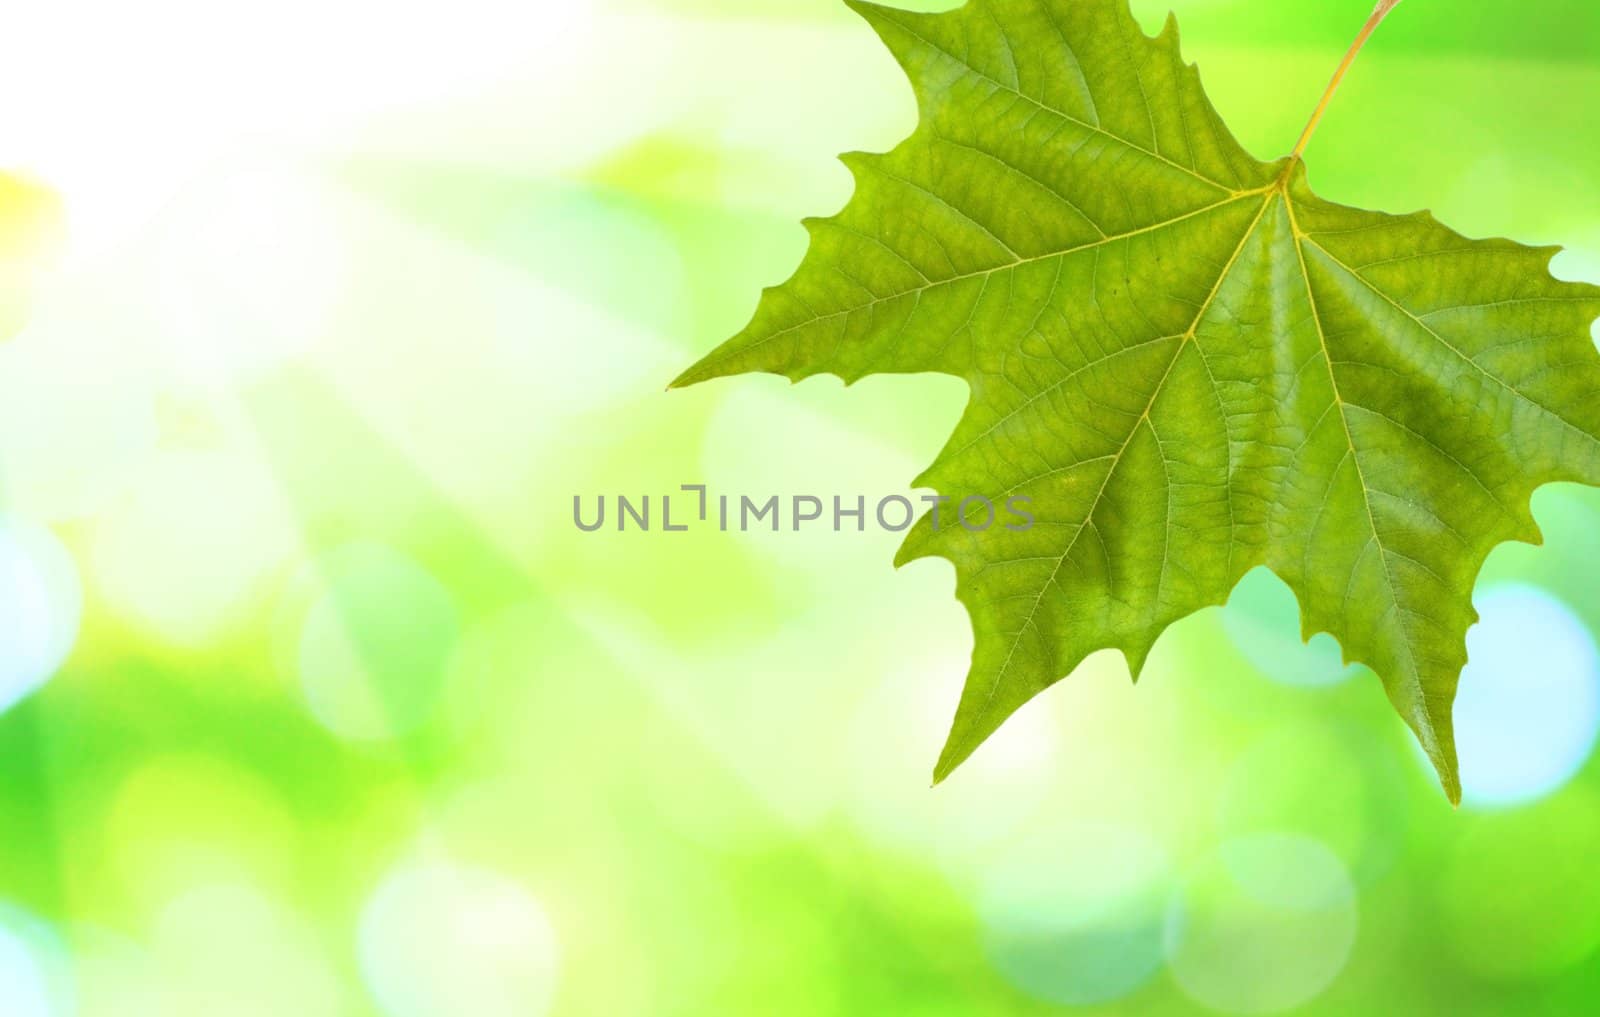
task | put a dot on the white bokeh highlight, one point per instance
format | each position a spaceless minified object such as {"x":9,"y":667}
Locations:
{"x":1263,"y":926}
{"x":438,"y":939}
{"x":32,"y":967}
{"x":40,"y":607}
{"x":1527,"y":710}
{"x":249,"y":269}
{"x":1075,"y":915}
{"x":894,"y":738}
{"x":22,"y":984}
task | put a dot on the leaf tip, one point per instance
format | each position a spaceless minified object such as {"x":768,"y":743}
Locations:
{"x":913,"y":548}
{"x":870,"y":11}
{"x":1136,"y":656}
{"x":964,"y":738}
{"x":1452,"y":788}
{"x":859,"y":165}
{"x":1438,"y":741}
{"x":684,"y":380}
{"x":1449,"y":775}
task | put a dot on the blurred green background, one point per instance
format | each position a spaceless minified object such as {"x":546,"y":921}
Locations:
{"x":314,"y":701}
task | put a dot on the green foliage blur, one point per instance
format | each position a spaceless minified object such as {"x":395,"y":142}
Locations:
{"x":315,"y":701}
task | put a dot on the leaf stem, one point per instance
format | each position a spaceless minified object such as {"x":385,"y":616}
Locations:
{"x":1378,"y":14}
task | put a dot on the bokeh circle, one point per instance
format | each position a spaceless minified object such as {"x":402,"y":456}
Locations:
{"x":1262,"y":926}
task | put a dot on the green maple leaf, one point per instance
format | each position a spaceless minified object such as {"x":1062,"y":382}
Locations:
{"x":1191,"y":363}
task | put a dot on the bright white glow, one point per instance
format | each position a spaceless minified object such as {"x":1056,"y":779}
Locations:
{"x":248,"y":271}
{"x":1528,"y":708}
{"x":22,"y":989}
{"x":441,"y":940}
{"x":40,"y":604}
{"x":1264,"y":926}
{"x":29,"y":985}
{"x":1075,"y":916}
{"x":896,"y":735}
{"x":467,"y":353}
{"x":345,"y":77}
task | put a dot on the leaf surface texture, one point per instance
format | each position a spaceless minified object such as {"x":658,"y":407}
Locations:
{"x":1189,"y":362}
